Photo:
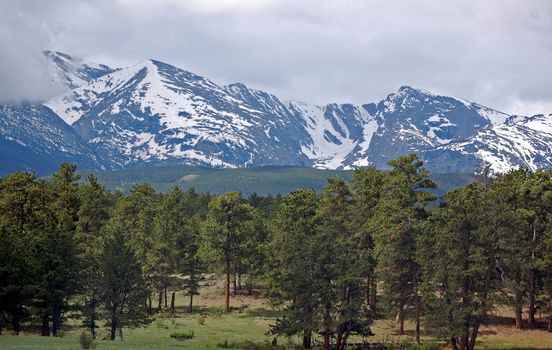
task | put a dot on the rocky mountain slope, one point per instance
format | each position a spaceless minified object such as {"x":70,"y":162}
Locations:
{"x":34,"y":138}
{"x":155,"y":113}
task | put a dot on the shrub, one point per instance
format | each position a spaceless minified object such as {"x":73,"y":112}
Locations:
{"x":201,"y":320}
{"x":184,"y":335}
{"x":159,"y":322}
{"x":86,"y":340}
{"x":249,"y":345}
{"x":425,"y":346}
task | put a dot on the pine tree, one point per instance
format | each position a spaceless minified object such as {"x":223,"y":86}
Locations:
{"x":228,"y":223}
{"x":509,"y":216}
{"x":136,"y":213}
{"x":94,"y":212}
{"x":58,"y":274}
{"x":291,"y":270}
{"x":395,"y":226}
{"x":366,"y":187}
{"x":538,"y":193}
{"x":120,"y":282}
{"x":457,"y":254}
{"x":177,"y":234}
{"x":18,"y":224}
{"x":342,"y":282}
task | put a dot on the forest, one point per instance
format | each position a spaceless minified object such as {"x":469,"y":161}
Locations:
{"x":380,"y":245}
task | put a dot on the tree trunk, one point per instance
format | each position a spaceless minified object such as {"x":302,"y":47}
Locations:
{"x":454,"y":343}
{"x":45,"y":331}
{"x":400,"y":318}
{"x":239,"y":278}
{"x":338,"y":340}
{"x":113,"y":327}
{"x":307,"y":340}
{"x":475,"y":330}
{"x":166,"y":302}
{"x":519,"y":313}
{"x":227,"y":287}
{"x":235,"y":280}
{"x":532,"y":293}
{"x":327,"y":338}
{"x":173,"y":296}
{"x":250,"y":289}
{"x":191,"y":305}
{"x":56,"y":319}
{"x":16,"y":325}
{"x":417,"y":331}
{"x":150,"y":309}
{"x":160,"y":304}
{"x":550,"y":322}
{"x":367,"y":296}
{"x":121,"y":333}
{"x":93,"y":324}
{"x":374,"y":291}
{"x":533,"y":281}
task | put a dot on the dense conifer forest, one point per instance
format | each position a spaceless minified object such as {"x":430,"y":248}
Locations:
{"x":379,"y":245}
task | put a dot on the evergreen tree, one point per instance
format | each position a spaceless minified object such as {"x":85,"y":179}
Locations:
{"x":190,"y":263}
{"x":94,"y":212}
{"x":18,"y":224}
{"x":457,"y":254}
{"x":508,"y":215}
{"x":136,"y":213}
{"x":366,"y":187}
{"x":538,"y":193}
{"x":395,"y":225}
{"x":341,"y":280}
{"x":228,"y":223}
{"x":178,"y":243}
{"x":120,"y":282}
{"x":545,"y":265}
{"x":58,"y":274}
{"x":292,"y":266}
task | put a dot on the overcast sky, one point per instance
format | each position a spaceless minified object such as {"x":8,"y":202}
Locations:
{"x":497,"y":53}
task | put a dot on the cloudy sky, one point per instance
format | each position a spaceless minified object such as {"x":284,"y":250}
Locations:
{"x":497,"y":53}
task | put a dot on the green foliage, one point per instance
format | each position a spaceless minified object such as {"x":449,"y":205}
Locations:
{"x":329,"y":262}
{"x":425,"y":346}
{"x":291,"y":270}
{"x":261,"y":180}
{"x":183,"y":335}
{"x":121,"y":284}
{"x":457,"y":256}
{"x":395,"y":224}
{"x":249,"y":345}
{"x":201,"y":320}
{"x":229,"y":222}
{"x":86,"y":340}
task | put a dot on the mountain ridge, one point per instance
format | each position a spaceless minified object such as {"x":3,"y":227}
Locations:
{"x":156,"y":113}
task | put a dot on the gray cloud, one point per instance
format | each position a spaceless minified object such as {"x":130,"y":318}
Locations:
{"x":24,"y":33}
{"x":497,"y":53}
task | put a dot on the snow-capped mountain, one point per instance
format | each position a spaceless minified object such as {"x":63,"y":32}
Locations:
{"x":72,"y":72}
{"x":153,"y":112}
{"x":524,"y":142}
{"x":34,"y":138}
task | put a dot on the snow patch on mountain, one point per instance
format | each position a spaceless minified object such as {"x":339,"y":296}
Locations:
{"x":155,"y":112}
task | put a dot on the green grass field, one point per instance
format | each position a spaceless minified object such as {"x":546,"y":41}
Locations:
{"x":249,"y":320}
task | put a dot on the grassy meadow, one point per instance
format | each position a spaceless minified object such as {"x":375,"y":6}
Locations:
{"x":250,"y":321}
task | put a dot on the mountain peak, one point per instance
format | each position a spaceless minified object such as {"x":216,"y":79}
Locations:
{"x":406,"y":89}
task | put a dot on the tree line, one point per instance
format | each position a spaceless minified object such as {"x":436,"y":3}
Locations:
{"x":381,"y":245}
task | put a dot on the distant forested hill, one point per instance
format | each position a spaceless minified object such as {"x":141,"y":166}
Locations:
{"x":262,"y":180}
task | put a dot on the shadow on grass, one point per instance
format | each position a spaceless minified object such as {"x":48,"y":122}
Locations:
{"x":262,"y":313}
